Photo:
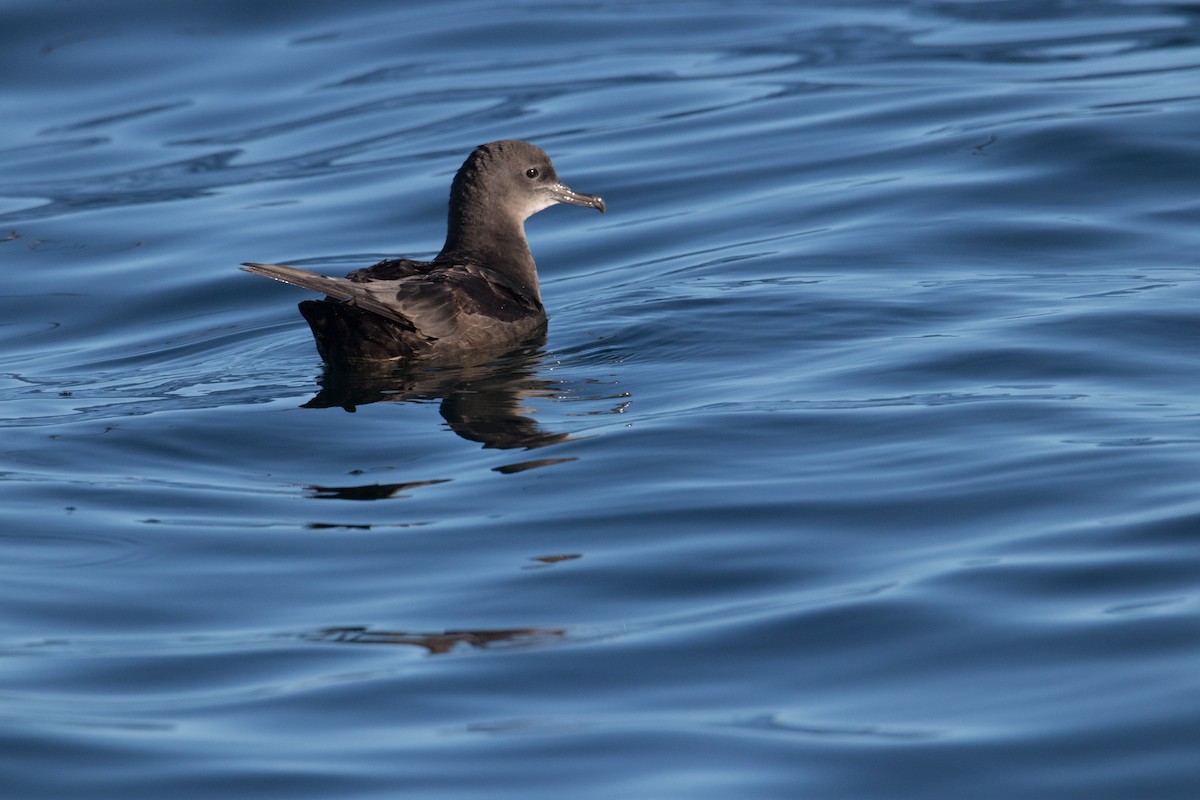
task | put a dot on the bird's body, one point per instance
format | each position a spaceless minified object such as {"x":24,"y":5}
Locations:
{"x":479,"y":295}
{"x":403,"y":309}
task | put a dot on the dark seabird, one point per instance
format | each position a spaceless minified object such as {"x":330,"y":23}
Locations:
{"x":479,"y":294}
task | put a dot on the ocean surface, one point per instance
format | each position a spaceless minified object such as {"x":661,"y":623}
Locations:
{"x":861,"y":458}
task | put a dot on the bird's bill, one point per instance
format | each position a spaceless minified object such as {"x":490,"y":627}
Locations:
{"x":565,"y":194}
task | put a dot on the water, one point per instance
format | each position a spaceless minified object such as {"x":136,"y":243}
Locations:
{"x":860,"y":459}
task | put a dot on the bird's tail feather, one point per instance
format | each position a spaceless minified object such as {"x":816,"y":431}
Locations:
{"x":333,"y":287}
{"x":337,"y":288}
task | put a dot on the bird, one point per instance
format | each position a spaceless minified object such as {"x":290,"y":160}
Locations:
{"x":479,"y":295}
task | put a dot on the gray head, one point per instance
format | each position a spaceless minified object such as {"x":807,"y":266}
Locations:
{"x":498,"y":187}
{"x":512,"y":178}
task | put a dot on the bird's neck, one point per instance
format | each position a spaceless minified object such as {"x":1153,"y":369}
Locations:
{"x":498,"y":244}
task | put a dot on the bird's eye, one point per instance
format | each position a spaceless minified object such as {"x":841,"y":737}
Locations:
{"x":532,"y":173}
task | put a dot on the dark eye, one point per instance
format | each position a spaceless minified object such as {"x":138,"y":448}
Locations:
{"x":532,"y":173}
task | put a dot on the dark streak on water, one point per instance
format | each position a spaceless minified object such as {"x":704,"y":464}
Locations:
{"x":861,"y":458}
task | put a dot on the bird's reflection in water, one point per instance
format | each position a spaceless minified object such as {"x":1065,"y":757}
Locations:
{"x":373,"y":491}
{"x":439,"y":643}
{"x":480,"y":402}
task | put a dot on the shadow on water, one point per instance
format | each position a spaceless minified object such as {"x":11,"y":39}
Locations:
{"x":482,"y":402}
{"x":439,"y":643}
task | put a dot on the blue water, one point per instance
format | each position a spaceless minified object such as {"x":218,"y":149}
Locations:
{"x":861,"y":459}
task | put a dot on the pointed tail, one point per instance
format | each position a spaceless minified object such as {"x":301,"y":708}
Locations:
{"x":339,"y":288}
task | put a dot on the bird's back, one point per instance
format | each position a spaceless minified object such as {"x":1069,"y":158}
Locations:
{"x":404,"y":309}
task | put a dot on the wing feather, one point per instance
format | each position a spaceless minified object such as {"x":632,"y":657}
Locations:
{"x":454,"y":301}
